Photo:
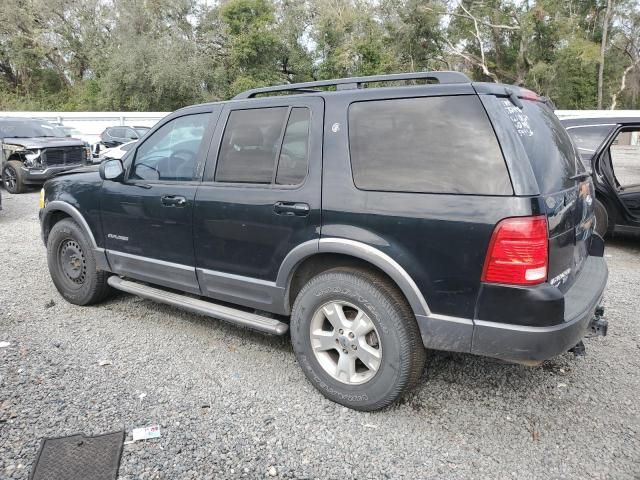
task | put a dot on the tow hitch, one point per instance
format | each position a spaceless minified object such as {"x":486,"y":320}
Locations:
{"x":598,"y":325}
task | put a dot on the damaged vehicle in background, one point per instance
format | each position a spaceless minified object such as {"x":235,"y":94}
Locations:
{"x":32,"y":151}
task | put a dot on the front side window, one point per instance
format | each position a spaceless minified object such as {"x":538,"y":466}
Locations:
{"x":260,"y":142}
{"x":426,"y":145}
{"x":170,"y":153}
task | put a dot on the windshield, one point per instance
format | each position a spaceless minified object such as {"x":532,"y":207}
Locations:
{"x":552,"y":154}
{"x":29,"y":129}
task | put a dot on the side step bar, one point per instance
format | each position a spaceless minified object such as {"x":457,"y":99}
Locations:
{"x":232,"y":315}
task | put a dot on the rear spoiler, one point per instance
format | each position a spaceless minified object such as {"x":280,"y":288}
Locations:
{"x":513,"y":92}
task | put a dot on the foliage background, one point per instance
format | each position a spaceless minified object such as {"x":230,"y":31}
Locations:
{"x":163,"y":54}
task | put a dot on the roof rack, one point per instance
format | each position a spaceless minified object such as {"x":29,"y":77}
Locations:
{"x":357,"y":82}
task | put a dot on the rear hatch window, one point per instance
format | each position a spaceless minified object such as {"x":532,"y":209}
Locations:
{"x":554,"y":160}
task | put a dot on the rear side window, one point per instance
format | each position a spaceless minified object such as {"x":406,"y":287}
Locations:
{"x":292,"y":164}
{"x":258,"y":143}
{"x":553,"y":158}
{"x":117,"y":132}
{"x":426,"y":145}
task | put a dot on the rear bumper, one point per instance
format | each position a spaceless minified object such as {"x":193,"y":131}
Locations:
{"x":527,"y":344}
{"x":41,"y":176}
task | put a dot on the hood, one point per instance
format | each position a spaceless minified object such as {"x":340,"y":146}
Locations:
{"x":44,"y":142}
{"x":85,"y":169}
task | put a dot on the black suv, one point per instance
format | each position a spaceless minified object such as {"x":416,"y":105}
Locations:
{"x":371,"y":223}
{"x":610,"y":145}
{"x":32,"y":151}
{"x":114,"y":136}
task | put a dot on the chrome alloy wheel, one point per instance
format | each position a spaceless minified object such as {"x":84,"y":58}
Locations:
{"x":10,"y":179}
{"x":345,"y":342}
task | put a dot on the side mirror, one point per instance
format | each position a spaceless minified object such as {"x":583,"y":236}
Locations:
{"x":112,"y":170}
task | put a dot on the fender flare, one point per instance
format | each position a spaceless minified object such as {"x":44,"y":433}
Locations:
{"x":359,"y":250}
{"x":102,"y":263}
{"x":73,"y":212}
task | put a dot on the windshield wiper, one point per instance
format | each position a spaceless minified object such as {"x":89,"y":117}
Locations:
{"x":580,"y":176}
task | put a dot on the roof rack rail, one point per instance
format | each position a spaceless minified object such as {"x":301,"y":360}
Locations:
{"x":357,"y":82}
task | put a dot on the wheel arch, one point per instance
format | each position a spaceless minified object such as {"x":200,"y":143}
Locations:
{"x":58,"y":210}
{"x":313,"y":257}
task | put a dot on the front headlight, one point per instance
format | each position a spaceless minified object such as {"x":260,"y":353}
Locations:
{"x":33,"y":158}
{"x":41,"y":203}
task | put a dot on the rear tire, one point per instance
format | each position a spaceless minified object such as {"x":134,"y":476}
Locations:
{"x":72,"y":265}
{"x":368,"y":355}
{"x":12,"y":177}
{"x":602,"y":218}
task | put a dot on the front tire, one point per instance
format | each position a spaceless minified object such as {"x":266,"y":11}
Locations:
{"x":356,"y":338}
{"x":12,"y":177}
{"x":72,"y":265}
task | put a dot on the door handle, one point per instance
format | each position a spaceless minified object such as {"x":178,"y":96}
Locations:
{"x":291,"y":209}
{"x":173,"y":201}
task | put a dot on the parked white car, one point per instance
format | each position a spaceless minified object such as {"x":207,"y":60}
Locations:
{"x":115,"y":152}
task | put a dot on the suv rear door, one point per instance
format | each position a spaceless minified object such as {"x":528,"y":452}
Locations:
{"x":564,"y":185}
{"x":260,"y":197}
{"x":617,"y":166}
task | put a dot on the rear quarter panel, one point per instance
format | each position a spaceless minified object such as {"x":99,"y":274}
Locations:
{"x":439,"y":239}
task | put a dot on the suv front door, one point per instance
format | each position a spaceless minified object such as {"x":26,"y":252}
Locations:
{"x":148,"y":218}
{"x":260,"y":197}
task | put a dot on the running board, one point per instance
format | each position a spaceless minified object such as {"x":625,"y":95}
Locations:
{"x":210,"y":309}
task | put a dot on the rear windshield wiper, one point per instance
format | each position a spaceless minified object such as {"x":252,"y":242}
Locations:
{"x":580,"y":176}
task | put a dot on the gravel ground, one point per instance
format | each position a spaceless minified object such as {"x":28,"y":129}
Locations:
{"x":234,"y":404}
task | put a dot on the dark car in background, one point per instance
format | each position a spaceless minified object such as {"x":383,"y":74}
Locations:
{"x":610,"y":147}
{"x":114,"y":136}
{"x":32,"y":151}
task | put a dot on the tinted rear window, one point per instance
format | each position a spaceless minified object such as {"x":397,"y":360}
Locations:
{"x":553,"y":158}
{"x":427,"y":145}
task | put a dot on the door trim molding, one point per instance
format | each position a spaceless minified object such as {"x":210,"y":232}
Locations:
{"x":246,"y":291}
{"x":160,"y":272}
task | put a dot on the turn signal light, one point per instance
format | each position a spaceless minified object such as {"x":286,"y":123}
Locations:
{"x":518,"y":252}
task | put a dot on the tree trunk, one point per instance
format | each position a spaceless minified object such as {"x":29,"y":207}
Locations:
{"x":603,"y":46}
{"x":623,"y":84}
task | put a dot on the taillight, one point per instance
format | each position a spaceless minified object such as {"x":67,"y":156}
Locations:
{"x":518,"y":252}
